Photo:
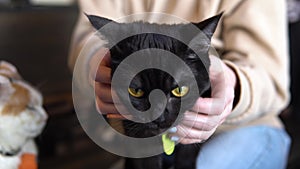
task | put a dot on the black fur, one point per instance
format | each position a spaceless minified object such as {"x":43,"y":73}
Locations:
{"x":151,"y":79}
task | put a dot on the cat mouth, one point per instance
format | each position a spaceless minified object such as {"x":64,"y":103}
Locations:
{"x":157,"y":131}
{"x":158,"y":127}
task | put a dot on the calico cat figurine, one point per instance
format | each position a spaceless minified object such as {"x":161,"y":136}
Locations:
{"x":150,"y":79}
{"x":21,"y":119}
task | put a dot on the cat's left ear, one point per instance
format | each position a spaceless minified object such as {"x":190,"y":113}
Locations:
{"x":209,"y":25}
{"x":202,"y":41}
{"x":97,"y":21}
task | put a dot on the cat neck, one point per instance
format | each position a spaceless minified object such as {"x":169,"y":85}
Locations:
{"x":11,"y":139}
{"x":12,"y":146}
{"x":10,"y":153}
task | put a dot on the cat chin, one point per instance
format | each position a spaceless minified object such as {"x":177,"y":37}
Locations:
{"x":154,"y":129}
{"x":152,"y":133}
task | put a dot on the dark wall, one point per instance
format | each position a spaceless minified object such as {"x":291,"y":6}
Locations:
{"x":295,"y":67}
{"x":36,"y":41}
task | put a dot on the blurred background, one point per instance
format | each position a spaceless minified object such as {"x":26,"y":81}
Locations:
{"x":35,"y":37}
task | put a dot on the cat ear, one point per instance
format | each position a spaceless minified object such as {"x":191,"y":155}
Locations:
{"x":202,"y":41}
{"x":8,"y":70}
{"x":6,"y":89}
{"x":7,"y":73}
{"x":209,"y":25}
{"x":97,"y":21}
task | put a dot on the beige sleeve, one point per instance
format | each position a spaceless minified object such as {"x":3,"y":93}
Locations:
{"x":84,"y":44}
{"x":81,"y":33}
{"x":255,"y":46}
{"x":84,"y":30}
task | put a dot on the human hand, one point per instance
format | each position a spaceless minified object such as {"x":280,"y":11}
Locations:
{"x":100,"y":79}
{"x":207,"y":114}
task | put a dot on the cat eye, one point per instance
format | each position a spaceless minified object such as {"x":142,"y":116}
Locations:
{"x":180,"y":91}
{"x":135,"y":92}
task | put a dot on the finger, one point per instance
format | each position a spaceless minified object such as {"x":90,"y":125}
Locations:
{"x":218,"y":89}
{"x":104,"y":71}
{"x":106,"y":60}
{"x":189,"y":141}
{"x":100,"y":71}
{"x":103,"y":75}
{"x":226,"y":112}
{"x":215,"y":105}
{"x":223,"y":92}
{"x":119,"y":116}
{"x":105,"y":108}
{"x":103,"y":91}
{"x":111,"y":108}
{"x":103,"y":55}
{"x":222,"y":78}
{"x":106,"y":93}
{"x":216,"y":64}
{"x":199,"y":121}
{"x":209,"y":106}
{"x":190,"y":133}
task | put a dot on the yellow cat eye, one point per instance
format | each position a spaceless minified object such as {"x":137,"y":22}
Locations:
{"x":180,"y":91}
{"x":135,"y":92}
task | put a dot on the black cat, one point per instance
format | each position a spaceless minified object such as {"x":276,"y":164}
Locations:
{"x":192,"y":49}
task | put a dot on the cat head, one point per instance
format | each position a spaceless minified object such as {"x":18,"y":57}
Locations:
{"x":192,"y":48}
{"x":22,"y":116}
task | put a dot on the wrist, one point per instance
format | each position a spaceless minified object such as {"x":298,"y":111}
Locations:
{"x":234,"y":81}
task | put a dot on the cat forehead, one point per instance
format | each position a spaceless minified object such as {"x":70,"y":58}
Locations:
{"x":160,"y":77}
{"x":182,"y":32}
{"x":22,"y":95}
{"x":35,"y":96}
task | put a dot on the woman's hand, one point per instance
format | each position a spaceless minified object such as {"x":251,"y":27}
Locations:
{"x":208,"y":113}
{"x":199,"y":123}
{"x":100,"y":79}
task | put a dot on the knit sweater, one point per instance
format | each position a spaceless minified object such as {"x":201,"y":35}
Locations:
{"x":251,"y":39}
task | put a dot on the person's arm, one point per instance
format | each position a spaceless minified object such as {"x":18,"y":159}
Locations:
{"x":84,"y":30}
{"x":255,"y":60}
{"x":86,"y":51}
{"x":81,"y":51}
{"x":255,"y":39}
{"x":84,"y":45}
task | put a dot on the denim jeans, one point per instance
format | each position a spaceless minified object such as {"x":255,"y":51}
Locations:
{"x":255,"y":147}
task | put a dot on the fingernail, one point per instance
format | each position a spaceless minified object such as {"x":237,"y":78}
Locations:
{"x":172,"y":130}
{"x":174,"y":138}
